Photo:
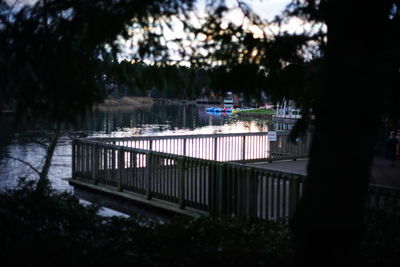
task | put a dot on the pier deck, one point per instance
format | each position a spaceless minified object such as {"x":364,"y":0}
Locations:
{"x":382,"y":173}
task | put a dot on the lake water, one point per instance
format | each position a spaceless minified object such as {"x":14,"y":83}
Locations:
{"x":24,"y":143}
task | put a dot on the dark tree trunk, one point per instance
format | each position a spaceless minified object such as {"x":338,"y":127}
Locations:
{"x":43,"y":177}
{"x":328,"y":224}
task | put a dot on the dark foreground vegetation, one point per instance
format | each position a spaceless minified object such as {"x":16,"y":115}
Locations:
{"x":41,"y":227}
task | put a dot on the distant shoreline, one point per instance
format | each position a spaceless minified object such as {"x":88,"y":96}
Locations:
{"x":264,"y":113}
{"x":125,"y":103}
{"x":259,"y":115}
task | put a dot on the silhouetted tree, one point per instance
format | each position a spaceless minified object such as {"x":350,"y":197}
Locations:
{"x":350,"y":81}
{"x":360,"y":67}
{"x":51,"y":51}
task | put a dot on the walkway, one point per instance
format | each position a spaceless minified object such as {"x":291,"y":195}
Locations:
{"x":296,"y":167}
{"x":382,"y":171}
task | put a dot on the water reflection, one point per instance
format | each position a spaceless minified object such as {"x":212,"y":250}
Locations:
{"x":159,"y":120}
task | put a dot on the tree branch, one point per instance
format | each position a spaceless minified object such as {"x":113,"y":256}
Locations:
{"x":50,"y":153}
{"x":25,"y":162}
{"x":42,"y":144}
{"x":11,"y":10}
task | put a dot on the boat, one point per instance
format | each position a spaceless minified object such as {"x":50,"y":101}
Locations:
{"x":287,"y":114}
{"x":218,"y":110}
{"x":214,"y":109}
{"x":228,"y":102}
{"x":287,"y":111}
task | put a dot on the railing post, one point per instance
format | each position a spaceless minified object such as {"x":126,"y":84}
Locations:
{"x":215,"y":148}
{"x":272,"y":149}
{"x":87,"y":159}
{"x":212,"y":189}
{"x":113,"y":160}
{"x":133,"y":160}
{"x":120,"y":170}
{"x":251,"y":195}
{"x":74,"y":158}
{"x":184,"y":146}
{"x":222,"y":190}
{"x":181,"y":182}
{"x":294,"y":195}
{"x":244,"y":147}
{"x":93,"y":163}
{"x":148,"y":176}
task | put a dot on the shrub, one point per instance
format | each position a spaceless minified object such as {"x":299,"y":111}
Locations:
{"x":381,"y":244}
{"x":42,"y":227}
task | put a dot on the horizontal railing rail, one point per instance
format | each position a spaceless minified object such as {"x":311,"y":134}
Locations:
{"x":186,"y":136}
{"x":219,"y":147}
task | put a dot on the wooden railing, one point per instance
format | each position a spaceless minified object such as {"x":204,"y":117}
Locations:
{"x":219,"y":147}
{"x":217,"y":187}
{"x":220,"y":188}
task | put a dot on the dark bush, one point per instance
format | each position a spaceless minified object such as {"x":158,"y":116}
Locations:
{"x":381,"y":244}
{"x":40,"y":227}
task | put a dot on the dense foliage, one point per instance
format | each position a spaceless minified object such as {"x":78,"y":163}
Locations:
{"x":156,"y":80}
{"x":51,"y":51}
{"x":381,"y":242}
{"x":40,"y":227}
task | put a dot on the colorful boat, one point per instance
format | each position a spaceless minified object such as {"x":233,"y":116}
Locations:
{"x":219,"y":110}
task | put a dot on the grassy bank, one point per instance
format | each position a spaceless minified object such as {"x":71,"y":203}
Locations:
{"x":256,"y":112}
{"x":126,"y":103}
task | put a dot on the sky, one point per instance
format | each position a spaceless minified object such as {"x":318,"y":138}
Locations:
{"x":266,"y":9}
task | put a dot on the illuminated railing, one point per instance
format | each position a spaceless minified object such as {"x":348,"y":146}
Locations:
{"x":219,"y":147}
